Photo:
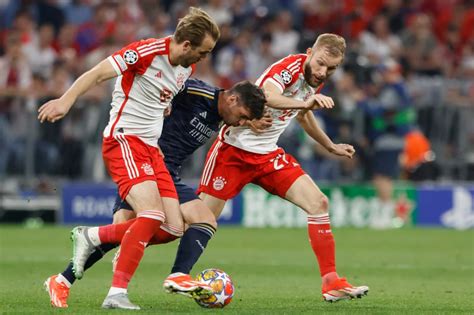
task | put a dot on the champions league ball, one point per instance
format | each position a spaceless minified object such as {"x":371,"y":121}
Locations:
{"x":222,"y":286}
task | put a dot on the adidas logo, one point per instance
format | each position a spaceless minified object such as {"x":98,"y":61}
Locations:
{"x":203,"y":115}
{"x":200,"y":245}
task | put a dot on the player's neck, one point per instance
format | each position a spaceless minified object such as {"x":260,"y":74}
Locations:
{"x":174,"y":52}
{"x":220,"y":101}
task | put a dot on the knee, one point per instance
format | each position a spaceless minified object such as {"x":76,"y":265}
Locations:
{"x":212,"y":221}
{"x":123,"y":215}
{"x":201,"y":217}
{"x":319,"y":205}
{"x":176,"y":223}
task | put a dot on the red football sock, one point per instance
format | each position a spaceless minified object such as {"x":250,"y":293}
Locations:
{"x":165,"y":234}
{"x":133,"y":245}
{"x":322,"y":242}
{"x":113,"y":233}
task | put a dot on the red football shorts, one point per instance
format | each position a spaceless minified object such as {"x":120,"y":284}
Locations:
{"x":130,"y":161}
{"x":228,"y":169}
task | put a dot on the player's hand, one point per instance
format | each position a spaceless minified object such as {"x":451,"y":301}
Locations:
{"x":167,"y":111}
{"x":161,"y":152}
{"x":53,"y":110}
{"x":342,"y":149}
{"x":318,"y":101}
{"x":259,"y":125}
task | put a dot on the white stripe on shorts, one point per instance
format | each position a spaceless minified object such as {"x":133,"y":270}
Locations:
{"x":128,"y":157}
{"x":209,"y":168}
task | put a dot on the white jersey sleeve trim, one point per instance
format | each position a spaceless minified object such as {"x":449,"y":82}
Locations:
{"x":114,"y":64}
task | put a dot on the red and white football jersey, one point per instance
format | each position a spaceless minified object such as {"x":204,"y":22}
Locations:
{"x":287,"y":75}
{"x":146,"y":84}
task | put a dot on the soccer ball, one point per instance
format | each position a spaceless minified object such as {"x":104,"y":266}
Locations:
{"x":222,"y":286}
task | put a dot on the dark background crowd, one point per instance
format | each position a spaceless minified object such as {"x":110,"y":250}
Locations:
{"x":404,"y":95}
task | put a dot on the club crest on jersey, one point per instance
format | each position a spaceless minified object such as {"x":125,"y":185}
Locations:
{"x":286,"y":76}
{"x":147,"y":169}
{"x":130,"y":56}
{"x":218,"y":183}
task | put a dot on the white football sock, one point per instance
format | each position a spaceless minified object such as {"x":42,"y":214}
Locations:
{"x":61,"y":279}
{"x":115,"y":290}
{"x":93,"y":234}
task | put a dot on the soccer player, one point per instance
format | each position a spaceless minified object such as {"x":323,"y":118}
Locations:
{"x":239,"y":156}
{"x":197,"y":112}
{"x":150,"y":73}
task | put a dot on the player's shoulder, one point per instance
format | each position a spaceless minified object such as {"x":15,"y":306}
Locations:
{"x":292,"y":62}
{"x":285,"y":71}
{"x":289,"y":65}
{"x":198,"y":87}
{"x":156,"y":46}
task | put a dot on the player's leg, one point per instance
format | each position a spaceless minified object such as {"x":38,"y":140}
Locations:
{"x":307,"y":195}
{"x":201,"y":228}
{"x":131,"y":165}
{"x":202,"y":225}
{"x":166,"y":233}
{"x":135,"y":235}
{"x":171,"y":230}
{"x":112,"y":235}
{"x":283,"y":176}
{"x":145,"y":199}
{"x":123,"y":212}
{"x":119,"y":216}
{"x":58,"y":286}
{"x":123,"y":215}
{"x":214,"y":204}
{"x":220,"y":181}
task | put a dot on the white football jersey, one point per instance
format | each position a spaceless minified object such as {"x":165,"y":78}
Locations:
{"x":146,"y":85}
{"x":287,"y":75}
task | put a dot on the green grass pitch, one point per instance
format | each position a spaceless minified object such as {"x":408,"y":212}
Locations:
{"x":409,"y":271}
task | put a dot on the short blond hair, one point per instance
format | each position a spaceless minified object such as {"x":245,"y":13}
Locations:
{"x":194,"y":26}
{"x":335,"y":44}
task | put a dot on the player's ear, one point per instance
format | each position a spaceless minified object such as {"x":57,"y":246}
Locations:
{"x":232,"y":100}
{"x":309,"y":51}
{"x":187,"y":45}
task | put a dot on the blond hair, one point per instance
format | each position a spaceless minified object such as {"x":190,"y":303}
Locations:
{"x":335,"y":44}
{"x":194,"y":26}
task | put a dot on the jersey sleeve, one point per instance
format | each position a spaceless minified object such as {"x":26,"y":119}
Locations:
{"x":135,"y":57}
{"x":283,"y":73}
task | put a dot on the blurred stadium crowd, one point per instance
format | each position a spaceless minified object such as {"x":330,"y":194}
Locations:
{"x":406,"y":86}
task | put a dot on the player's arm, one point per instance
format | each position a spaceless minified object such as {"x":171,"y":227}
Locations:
{"x":58,"y":108}
{"x":275,"y":99}
{"x":310,"y":125}
{"x":260,"y":125}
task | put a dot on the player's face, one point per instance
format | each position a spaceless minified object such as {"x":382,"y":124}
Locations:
{"x":319,"y":66}
{"x":194,"y":54}
{"x":235,"y":113}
